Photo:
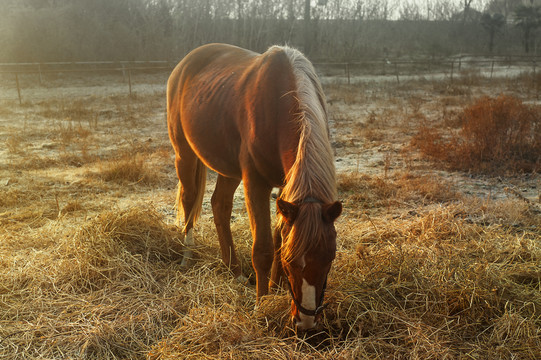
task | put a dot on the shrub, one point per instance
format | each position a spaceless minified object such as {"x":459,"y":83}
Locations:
{"x":496,"y":134}
{"x":133,"y":168}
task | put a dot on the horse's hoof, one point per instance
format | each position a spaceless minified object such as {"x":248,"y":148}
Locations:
{"x":243,"y":280}
{"x":186,"y":262}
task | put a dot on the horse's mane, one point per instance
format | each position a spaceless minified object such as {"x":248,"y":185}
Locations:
{"x":312,"y":175}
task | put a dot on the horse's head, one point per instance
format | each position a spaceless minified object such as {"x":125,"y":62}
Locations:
{"x":309,"y":247}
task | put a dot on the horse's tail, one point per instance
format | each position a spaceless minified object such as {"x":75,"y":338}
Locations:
{"x":200,"y":182}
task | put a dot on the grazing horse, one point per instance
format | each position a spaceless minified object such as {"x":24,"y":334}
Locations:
{"x":259,"y":118}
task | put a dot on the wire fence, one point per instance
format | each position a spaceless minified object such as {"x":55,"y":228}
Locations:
{"x":400,"y":70}
{"x":54,"y":75}
{"x":38,"y":72}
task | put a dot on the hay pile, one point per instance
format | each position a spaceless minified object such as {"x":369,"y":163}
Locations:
{"x":105,"y":290}
{"x":439,"y":284}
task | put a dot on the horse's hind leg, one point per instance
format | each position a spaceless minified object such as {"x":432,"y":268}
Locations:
{"x":222,"y":205}
{"x":187,"y":171}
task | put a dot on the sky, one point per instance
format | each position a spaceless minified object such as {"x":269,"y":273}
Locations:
{"x":433,"y":9}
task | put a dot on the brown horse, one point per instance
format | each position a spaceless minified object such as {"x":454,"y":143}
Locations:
{"x":259,"y":118}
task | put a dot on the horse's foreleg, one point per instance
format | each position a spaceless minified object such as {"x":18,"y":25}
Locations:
{"x":222,"y":205}
{"x":257,"y":194}
{"x":276,"y":271}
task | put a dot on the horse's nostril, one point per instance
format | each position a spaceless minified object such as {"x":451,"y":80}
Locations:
{"x":302,"y":326}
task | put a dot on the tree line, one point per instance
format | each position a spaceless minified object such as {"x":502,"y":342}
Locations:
{"x":327,"y":30}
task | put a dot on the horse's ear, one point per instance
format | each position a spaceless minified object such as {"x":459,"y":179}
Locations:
{"x":288,"y":210}
{"x":331,"y":212}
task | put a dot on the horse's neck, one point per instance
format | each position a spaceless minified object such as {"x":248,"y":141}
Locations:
{"x":313,"y":173}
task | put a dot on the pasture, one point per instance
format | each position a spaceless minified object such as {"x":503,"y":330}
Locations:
{"x":432,"y":263}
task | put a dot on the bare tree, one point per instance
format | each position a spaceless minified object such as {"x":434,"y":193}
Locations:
{"x":504,"y":7}
{"x":492,"y":24}
{"x":307,"y":28}
{"x":410,"y":11}
{"x":467,"y":7}
{"x":528,"y":19}
{"x":444,"y":10}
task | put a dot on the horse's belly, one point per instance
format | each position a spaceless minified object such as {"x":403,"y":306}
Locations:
{"x":213,"y":144}
{"x":221,"y":164}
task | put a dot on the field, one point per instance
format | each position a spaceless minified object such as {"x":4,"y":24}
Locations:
{"x":432,"y":263}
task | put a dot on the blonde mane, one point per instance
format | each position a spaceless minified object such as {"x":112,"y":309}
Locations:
{"x":312,"y":176}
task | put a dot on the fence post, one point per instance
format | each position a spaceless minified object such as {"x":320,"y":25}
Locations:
{"x":492,"y":69}
{"x":123,"y":69}
{"x":129,"y":79}
{"x":18,"y":88}
{"x":452,"y":69}
{"x":396,"y":72}
{"x":347,"y":73}
{"x":536,"y":80}
{"x":40,"y":76}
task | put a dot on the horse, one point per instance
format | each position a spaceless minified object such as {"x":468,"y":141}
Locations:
{"x":260,"y":119}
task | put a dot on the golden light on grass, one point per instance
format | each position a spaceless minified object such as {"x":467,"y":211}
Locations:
{"x":430,"y":264}
{"x":131,"y":168}
{"x":419,"y":284}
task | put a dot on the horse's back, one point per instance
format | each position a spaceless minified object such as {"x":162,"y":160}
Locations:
{"x":204,"y":59}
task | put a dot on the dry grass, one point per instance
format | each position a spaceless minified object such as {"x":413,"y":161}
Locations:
{"x":496,"y":135}
{"x":431,"y":285}
{"x":129,"y":169}
{"x":90,"y":265}
{"x":360,"y":192}
{"x":95,"y":290}
{"x":13,"y":143}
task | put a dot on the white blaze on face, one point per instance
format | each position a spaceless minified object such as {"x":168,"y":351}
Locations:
{"x":309,"y":303}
